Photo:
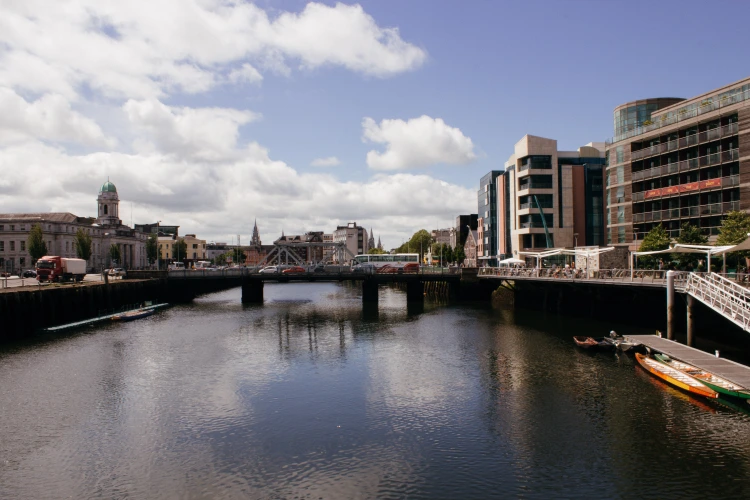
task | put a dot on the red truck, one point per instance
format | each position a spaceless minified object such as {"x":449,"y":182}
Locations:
{"x":54,"y":268}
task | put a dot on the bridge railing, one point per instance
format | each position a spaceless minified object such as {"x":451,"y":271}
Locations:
{"x":573,"y":274}
{"x":341,"y":271}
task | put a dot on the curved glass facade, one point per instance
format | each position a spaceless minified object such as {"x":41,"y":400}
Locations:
{"x":630,"y":117}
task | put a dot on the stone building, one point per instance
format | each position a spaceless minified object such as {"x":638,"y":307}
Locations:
{"x":59,"y":230}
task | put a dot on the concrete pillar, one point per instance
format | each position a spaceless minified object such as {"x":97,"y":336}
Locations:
{"x":252,"y":291}
{"x":369,"y":291}
{"x":414,"y":291}
{"x":670,"y":304}
{"x":690,"y":320}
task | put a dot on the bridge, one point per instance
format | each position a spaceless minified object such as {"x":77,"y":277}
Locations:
{"x":184,"y":285}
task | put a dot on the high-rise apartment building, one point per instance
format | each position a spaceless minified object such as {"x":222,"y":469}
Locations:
{"x":549,"y":198}
{"x":487,"y":212}
{"x":673,"y":161}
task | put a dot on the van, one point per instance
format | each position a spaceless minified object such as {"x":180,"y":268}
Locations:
{"x":177,"y":266}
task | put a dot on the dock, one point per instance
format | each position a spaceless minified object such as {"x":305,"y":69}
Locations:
{"x":724,"y":368}
{"x":95,"y":320}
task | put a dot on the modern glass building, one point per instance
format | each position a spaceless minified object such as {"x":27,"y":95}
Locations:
{"x":680,"y":161}
{"x":487,"y":198}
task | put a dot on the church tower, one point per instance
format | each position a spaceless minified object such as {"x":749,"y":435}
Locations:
{"x":109,"y":205}
{"x":255,"y":241}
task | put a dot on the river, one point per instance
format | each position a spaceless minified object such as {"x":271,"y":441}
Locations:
{"x":310,"y":396}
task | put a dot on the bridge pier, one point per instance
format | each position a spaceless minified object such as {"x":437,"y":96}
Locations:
{"x":369,"y":291}
{"x":415,"y":291}
{"x":252,"y":292}
{"x":690,"y":321}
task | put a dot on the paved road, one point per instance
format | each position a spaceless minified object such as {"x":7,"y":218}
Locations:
{"x":15,"y":282}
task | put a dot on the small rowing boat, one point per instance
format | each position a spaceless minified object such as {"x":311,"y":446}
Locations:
{"x":675,"y":377}
{"x":132,"y":315}
{"x":595,"y":344}
{"x":718,"y":384}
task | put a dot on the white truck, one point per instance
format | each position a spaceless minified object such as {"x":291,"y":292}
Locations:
{"x":54,"y":268}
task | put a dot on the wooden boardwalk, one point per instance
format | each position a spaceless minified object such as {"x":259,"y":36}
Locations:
{"x":724,"y":368}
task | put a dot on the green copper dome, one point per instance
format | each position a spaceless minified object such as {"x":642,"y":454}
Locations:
{"x":108,"y":187}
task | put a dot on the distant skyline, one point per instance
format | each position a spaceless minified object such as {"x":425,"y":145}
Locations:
{"x":304,"y":116}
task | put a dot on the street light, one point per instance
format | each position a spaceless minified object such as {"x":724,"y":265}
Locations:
{"x":158,"y":248}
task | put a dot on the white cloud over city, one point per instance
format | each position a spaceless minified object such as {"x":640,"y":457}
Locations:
{"x":418,"y":142}
{"x":88,"y":92}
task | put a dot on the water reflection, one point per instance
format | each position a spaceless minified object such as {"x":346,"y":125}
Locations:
{"x":313,"y":395}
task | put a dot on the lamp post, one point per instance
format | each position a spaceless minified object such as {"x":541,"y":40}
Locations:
{"x":158,"y":247}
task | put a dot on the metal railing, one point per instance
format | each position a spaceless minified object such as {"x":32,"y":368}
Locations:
{"x":340,"y":272}
{"x":691,"y":164}
{"x":724,"y":296}
{"x":688,"y":140}
{"x":684,"y":114}
{"x":559,"y":273}
{"x":696,"y":211}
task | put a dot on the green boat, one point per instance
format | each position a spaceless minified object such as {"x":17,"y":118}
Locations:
{"x":720,"y":385}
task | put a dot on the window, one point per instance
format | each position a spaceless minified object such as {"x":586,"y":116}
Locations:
{"x":23,"y":246}
{"x":620,"y":174}
{"x":195,"y":245}
{"x":620,"y":153}
{"x":621,"y":194}
{"x":2,"y":246}
{"x":12,"y":246}
{"x":2,"y":227}
{"x":620,"y":215}
{"x":621,"y":234}
{"x":22,"y":227}
{"x":67,"y":246}
{"x":22,"y":261}
{"x":12,"y":227}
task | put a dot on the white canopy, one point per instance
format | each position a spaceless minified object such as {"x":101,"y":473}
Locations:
{"x":590,"y":252}
{"x":512,"y":260}
{"x":686,"y":248}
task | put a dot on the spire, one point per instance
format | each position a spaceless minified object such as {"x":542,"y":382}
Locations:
{"x":380,"y":245}
{"x":371,"y":240}
{"x":255,"y":240}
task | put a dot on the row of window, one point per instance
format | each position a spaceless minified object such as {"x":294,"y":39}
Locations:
{"x":65,"y":229}
{"x":12,"y":246}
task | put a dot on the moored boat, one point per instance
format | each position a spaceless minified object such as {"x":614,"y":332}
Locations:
{"x":594,"y":344}
{"x":132,"y":315}
{"x":718,"y":384}
{"x":675,"y":377}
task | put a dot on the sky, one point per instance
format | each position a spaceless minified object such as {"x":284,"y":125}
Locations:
{"x":212,"y":114}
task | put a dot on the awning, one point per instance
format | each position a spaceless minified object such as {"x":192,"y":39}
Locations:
{"x":512,"y":260}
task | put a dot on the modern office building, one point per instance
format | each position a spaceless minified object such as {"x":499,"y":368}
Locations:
{"x":550,"y":198}
{"x":458,"y":237}
{"x":487,"y":212}
{"x":354,"y":236}
{"x":674,"y":160}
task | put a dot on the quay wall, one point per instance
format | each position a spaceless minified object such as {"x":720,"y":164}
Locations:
{"x":25,"y":311}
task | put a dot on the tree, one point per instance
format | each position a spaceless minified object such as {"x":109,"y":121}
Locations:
{"x":179,"y":250}
{"x":376,"y":251}
{"x":83,"y":244}
{"x":238,"y":255}
{"x":114,"y":253}
{"x":152,"y":247}
{"x":690,"y":235}
{"x":734,"y":229}
{"x":35,"y":243}
{"x":459,"y":254}
{"x":656,"y":239}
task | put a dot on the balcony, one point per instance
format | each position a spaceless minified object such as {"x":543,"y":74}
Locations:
{"x":689,"y":187}
{"x":686,"y":115}
{"x":691,"y":164}
{"x":690,"y":140}
{"x":687,"y":212}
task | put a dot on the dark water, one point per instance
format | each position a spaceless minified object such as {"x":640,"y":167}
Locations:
{"x":309,"y":396}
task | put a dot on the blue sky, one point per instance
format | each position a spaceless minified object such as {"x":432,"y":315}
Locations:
{"x":149,"y":101}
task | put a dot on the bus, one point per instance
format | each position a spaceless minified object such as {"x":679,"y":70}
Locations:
{"x":396,"y":260}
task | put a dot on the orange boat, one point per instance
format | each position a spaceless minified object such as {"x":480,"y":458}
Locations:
{"x":675,"y":377}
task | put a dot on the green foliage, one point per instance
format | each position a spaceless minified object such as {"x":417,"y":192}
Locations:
{"x":152,"y":244}
{"x":83,"y":244}
{"x":238,"y":255}
{"x":459,"y":254}
{"x":690,"y":235}
{"x":221,"y":260}
{"x":36,"y":245}
{"x":418,"y":243}
{"x":114,"y":253}
{"x":656,"y":239}
{"x":374,"y":251}
{"x":734,"y":228}
{"x":179,"y":250}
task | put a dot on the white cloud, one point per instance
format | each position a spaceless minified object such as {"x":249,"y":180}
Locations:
{"x":245,"y":73}
{"x":144,"y":49}
{"x":419,"y":142}
{"x":330,"y":161}
{"x":200,"y":133}
{"x":223,"y":198}
{"x":49,"y":118}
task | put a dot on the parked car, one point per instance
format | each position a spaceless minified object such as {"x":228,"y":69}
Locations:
{"x":117,"y":271}
{"x":269,"y":270}
{"x":294,"y":269}
{"x":29,"y":273}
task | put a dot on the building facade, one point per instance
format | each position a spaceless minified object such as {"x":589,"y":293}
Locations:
{"x":487,"y":210}
{"x":464,"y":224}
{"x":549,"y":198}
{"x":679,"y":161}
{"x":59,"y":231}
{"x":354,"y":237}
